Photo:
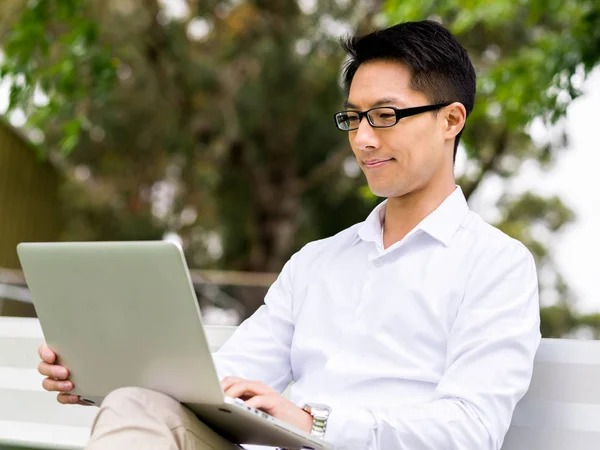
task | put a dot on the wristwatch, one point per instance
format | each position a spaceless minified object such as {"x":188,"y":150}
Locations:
{"x":320,"y":414}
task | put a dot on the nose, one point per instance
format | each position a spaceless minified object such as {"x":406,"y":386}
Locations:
{"x":365,"y":137}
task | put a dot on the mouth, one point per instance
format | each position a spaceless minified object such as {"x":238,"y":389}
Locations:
{"x":375,"y":163}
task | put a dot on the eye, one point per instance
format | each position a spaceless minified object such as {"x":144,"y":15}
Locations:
{"x":385,"y":113}
{"x":383,"y":117}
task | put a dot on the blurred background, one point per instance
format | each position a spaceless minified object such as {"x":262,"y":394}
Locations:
{"x":210,"y":123}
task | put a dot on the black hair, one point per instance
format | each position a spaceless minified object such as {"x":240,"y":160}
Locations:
{"x":440,"y":66}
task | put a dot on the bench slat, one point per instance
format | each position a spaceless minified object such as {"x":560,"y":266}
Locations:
{"x":43,"y":436}
{"x":30,"y":416}
{"x":534,"y":414}
{"x":562,"y":382}
{"x":561,"y":410}
{"x":42,"y":407}
{"x":20,"y":379}
{"x":550,"y":439}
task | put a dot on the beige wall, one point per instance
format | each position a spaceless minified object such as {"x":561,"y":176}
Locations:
{"x":29,"y":203}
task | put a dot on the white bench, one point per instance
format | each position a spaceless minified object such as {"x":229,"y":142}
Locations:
{"x":561,"y":410}
{"x":31,"y":417}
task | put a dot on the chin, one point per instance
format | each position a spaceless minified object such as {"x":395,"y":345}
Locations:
{"x":386,"y":191}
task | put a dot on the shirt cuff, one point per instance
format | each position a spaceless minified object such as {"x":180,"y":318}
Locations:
{"x":350,"y":428}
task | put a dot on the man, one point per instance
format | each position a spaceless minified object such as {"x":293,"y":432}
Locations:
{"x":417,"y":328}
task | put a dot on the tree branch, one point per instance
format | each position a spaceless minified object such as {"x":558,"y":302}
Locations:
{"x":499,"y":149}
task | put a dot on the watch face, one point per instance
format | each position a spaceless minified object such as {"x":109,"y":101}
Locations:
{"x":318,"y":406}
{"x":318,"y":410}
{"x":320,"y":414}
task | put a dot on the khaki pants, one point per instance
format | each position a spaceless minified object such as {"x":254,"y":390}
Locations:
{"x":140,"y":419}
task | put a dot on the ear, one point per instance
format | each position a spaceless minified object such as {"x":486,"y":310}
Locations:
{"x":455,"y":115}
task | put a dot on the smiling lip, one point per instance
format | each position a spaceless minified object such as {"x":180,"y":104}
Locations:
{"x":374,"y":163}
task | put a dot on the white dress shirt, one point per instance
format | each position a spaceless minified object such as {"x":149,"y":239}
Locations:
{"x":426,"y":345}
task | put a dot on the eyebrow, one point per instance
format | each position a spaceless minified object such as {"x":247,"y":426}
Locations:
{"x":381,"y":102}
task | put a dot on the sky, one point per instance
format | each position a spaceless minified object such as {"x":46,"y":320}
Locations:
{"x":575,"y":177}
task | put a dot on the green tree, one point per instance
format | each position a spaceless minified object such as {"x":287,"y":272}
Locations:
{"x":212,"y":120}
{"x":222,"y":112}
{"x":531,"y":59}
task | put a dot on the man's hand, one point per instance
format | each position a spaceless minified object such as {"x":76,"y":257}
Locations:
{"x":58,"y":377}
{"x":260,"y":396}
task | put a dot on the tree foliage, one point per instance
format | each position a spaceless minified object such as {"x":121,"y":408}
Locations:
{"x":531,"y":60}
{"x":212,"y":119}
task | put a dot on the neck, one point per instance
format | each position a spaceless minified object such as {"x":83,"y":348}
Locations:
{"x":404,"y":213}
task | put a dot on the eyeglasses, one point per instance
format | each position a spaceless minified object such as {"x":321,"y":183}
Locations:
{"x":380,"y":117}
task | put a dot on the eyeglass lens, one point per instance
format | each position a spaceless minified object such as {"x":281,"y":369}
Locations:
{"x":378,"y":117}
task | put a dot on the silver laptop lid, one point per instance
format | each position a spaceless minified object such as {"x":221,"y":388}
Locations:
{"x":122,"y":314}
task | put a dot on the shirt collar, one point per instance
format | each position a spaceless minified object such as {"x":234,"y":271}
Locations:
{"x":441,"y":224}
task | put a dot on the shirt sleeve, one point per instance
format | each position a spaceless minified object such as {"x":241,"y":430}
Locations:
{"x":260,"y":347}
{"x":489,"y":365}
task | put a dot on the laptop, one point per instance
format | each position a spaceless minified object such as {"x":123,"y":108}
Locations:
{"x":126,"y":314}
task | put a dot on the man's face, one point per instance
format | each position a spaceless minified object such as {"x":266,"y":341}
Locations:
{"x":408,"y":156}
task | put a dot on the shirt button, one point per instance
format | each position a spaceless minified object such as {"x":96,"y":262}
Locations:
{"x":377,"y":263}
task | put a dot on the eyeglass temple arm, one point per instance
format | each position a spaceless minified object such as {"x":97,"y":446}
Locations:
{"x":407,"y":112}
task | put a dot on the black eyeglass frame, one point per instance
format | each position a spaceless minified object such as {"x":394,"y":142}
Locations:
{"x":400,"y":114}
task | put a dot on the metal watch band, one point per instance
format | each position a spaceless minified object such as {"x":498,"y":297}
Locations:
{"x":320,"y":414}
